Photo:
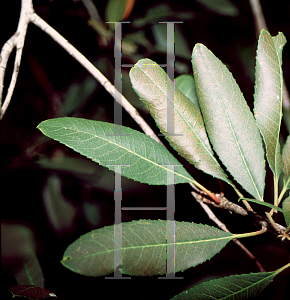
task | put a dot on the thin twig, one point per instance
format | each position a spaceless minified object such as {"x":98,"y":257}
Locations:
{"x":96,"y":74}
{"x":232,"y":207}
{"x":16,"y":41}
{"x":222,"y":226}
{"x":28,"y":15}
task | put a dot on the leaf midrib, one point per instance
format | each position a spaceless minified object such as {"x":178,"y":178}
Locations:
{"x":134,"y":153}
{"x":158,"y":245}
{"x":235,"y":137}
{"x":246,"y":288}
{"x":187,"y":123}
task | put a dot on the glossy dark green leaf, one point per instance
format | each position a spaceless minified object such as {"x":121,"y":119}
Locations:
{"x":146,"y":161}
{"x":229,"y":122}
{"x":235,"y":287}
{"x":268,"y":95}
{"x":189,"y":139}
{"x":32,"y":292}
{"x":185,"y":83}
{"x":286,"y":162}
{"x":144,"y":248}
{"x":286,"y":210}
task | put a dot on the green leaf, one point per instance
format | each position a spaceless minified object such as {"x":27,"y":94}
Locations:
{"x":144,"y":248}
{"x":146,"y":160}
{"x":30,"y":272}
{"x":185,"y":83}
{"x":268,"y":95}
{"x":263,"y":203}
{"x":286,"y":162}
{"x":189,"y":138}
{"x":235,"y":287}
{"x":115,"y":10}
{"x":286,"y":210}
{"x":222,"y":7}
{"x":229,"y":122}
{"x":181,"y":48}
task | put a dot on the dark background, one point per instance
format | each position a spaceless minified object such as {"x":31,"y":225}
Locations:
{"x":55,"y":195}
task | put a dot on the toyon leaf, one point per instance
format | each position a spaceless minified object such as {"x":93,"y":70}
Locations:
{"x":189,"y":138}
{"x":286,"y":162}
{"x":286,"y":210}
{"x":229,"y":122}
{"x":143,"y":159}
{"x":144,"y":248}
{"x":234,"y":287}
{"x":31,"y":292}
{"x":268,"y":95}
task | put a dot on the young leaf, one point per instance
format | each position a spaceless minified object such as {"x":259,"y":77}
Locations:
{"x":144,"y":248}
{"x":229,"y":122}
{"x":186,"y":85}
{"x":189,"y":138}
{"x":235,"y":287}
{"x":146,"y":161}
{"x":268,"y":95}
{"x":286,"y":162}
{"x":286,"y":210}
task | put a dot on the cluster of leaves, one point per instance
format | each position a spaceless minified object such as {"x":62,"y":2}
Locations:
{"x":211,"y":117}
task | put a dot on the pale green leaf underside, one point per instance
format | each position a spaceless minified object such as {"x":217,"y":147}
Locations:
{"x":286,"y":210}
{"x":229,"y":122}
{"x":189,"y":139}
{"x":144,"y":248}
{"x":143,"y":159}
{"x":268,"y":95}
{"x":286,"y":162}
{"x":186,"y":85}
{"x":234,"y":287}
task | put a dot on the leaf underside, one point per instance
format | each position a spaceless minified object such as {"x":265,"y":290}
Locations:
{"x":268,"y":95}
{"x":144,"y":248}
{"x":229,"y":122}
{"x":189,"y":136}
{"x":231,"y":287}
{"x":142,"y":159}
